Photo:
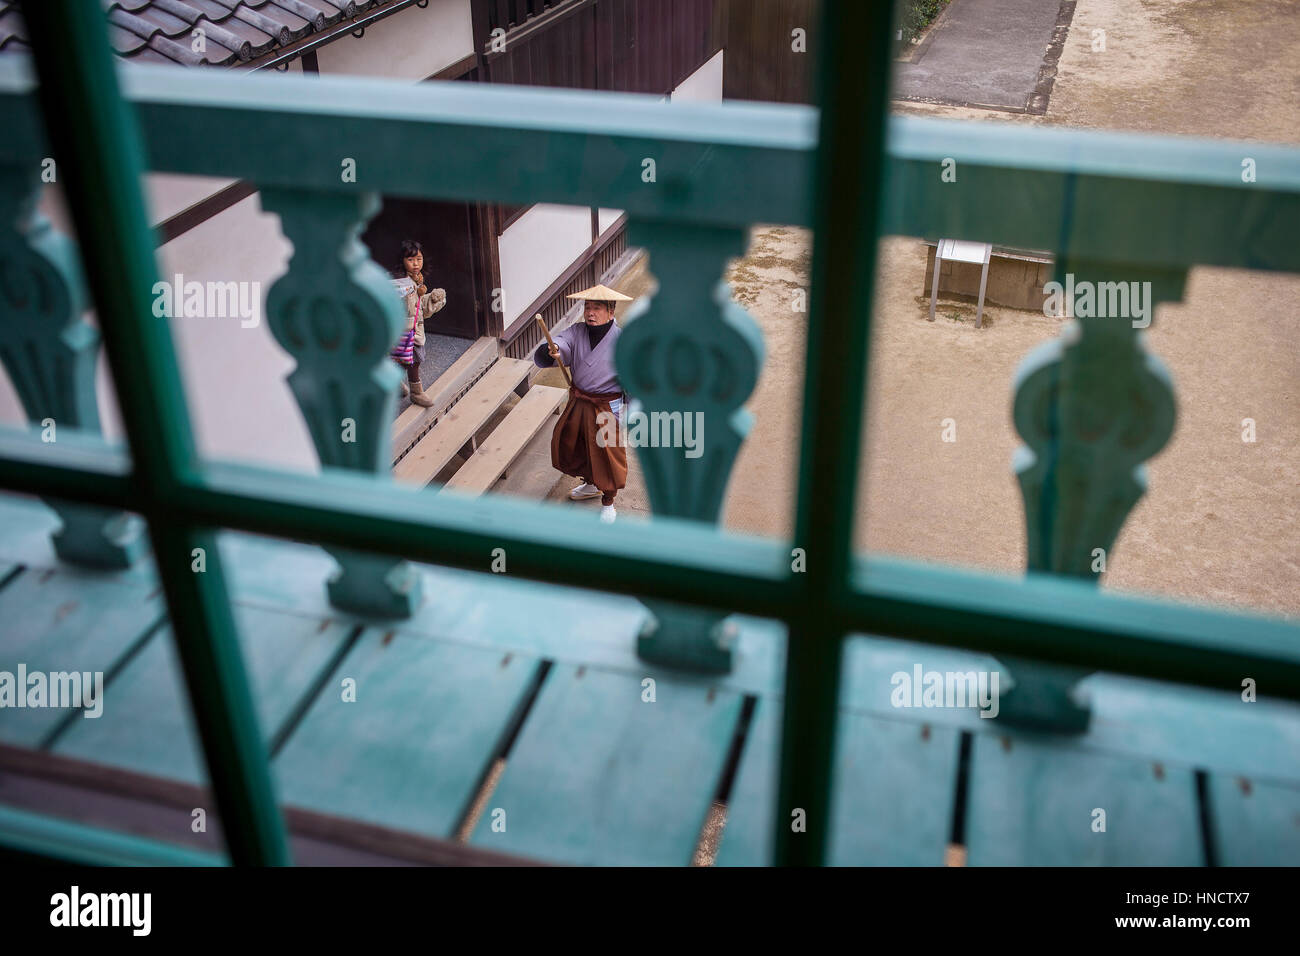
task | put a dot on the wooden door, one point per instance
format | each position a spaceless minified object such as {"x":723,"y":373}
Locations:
{"x":444,"y":230}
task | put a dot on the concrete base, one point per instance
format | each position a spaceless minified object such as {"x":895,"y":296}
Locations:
{"x":1016,"y":278}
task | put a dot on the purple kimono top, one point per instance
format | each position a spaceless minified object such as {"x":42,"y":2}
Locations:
{"x":592,"y":369}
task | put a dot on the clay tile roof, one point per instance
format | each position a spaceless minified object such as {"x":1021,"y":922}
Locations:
{"x":234,"y":31}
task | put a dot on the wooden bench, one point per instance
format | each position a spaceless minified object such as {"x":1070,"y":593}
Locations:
{"x":502,"y":447}
{"x":415,"y":420}
{"x":457,"y":427}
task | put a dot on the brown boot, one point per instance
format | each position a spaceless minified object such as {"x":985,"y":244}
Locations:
{"x":418,"y":397}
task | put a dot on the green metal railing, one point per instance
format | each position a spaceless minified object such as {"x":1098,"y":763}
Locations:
{"x":1153,"y":204}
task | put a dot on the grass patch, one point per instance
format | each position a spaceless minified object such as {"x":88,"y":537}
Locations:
{"x":915,"y":16}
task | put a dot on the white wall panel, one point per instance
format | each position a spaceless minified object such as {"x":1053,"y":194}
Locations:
{"x":704,"y":85}
{"x":410,"y":45}
{"x":537,"y":247}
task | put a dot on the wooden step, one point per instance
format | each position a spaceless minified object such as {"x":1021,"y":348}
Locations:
{"x":502,"y":447}
{"x":454,"y":430}
{"x":415,"y":419}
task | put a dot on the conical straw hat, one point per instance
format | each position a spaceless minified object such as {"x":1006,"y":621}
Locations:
{"x":600,"y":293}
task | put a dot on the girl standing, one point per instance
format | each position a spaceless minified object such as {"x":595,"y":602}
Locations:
{"x":420,"y":305}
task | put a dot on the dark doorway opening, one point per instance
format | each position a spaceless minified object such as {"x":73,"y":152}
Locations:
{"x":445,"y":230}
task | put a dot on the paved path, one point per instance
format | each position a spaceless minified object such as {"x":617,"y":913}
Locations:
{"x":981,"y":53}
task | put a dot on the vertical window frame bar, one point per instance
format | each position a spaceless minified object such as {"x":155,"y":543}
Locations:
{"x":101,"y":167}
{"x":853,"y":98}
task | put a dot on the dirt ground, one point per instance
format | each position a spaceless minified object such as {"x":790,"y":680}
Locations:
{"x":1224,"y":69}
{"x":1216,"y":68}
{"x":1221,"y":519}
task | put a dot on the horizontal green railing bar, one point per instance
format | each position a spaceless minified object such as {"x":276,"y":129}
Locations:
{"x":349,"y":509}
{"x":1185,"y":160}
{"x":340,"y":507}
{"x":80,"y":466}
{"x":1039,"y":616}
{"x":1073,"y":622}
{"x":1135,"y":199}
{"x":49,"y":837}
{"x":528,"y":145}
{"x":1047,"y":618}
{"x":665,"y":558}
{"x":1121,"y":197}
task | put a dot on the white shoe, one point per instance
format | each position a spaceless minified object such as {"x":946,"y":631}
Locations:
{"x":607,"y":514}
{"x":584,"y":490}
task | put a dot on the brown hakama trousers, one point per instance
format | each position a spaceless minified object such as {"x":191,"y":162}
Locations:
{"x":575,"y":450}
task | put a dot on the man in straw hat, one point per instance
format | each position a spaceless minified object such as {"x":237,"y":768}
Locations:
{"x":587,"y":350}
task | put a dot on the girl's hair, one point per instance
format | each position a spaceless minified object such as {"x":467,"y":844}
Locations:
{"x":409,"y":248}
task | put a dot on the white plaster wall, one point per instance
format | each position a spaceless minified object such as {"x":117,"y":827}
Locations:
{"x":411,"y":45}
{"x":167,"y":194}
{"x":536,"y":248}
{"x":234,"y":377}
{"x":704,"y":85}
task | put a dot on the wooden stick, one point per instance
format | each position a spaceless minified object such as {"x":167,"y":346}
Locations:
{"x":549,"y":341}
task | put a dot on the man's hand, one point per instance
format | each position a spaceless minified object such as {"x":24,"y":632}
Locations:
{"x":554,"y":350}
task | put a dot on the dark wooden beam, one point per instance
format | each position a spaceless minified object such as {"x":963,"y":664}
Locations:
{"x":159,"y":808}
{"x":485,"y":230}
{"x":536,"y":25}
{"x":480,"y":21}
{"x":202,"y":211}
{"x":507,"y":216}
{"x":456,"y":70}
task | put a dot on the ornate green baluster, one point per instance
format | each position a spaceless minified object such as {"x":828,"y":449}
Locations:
{"x":336,"y":313}
{"x":50,"y":353}
{"x":687,"y":359}
{"x":1092,"y":406}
